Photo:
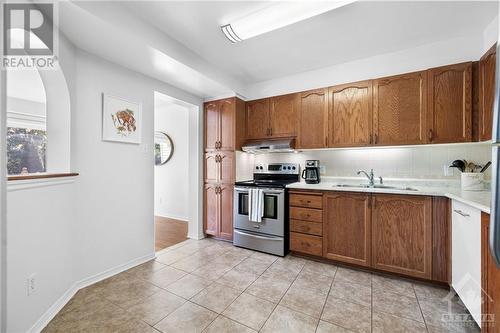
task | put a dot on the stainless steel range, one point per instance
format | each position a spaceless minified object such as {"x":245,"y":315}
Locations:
{"x":270,"y":234}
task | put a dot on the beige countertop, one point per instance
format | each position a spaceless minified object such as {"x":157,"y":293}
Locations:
{"x":477,"y":199}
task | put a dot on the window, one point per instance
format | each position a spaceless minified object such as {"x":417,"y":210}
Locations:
{"x":26,"y":150}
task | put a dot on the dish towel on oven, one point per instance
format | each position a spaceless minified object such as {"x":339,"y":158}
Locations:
{"x":256,"y":204}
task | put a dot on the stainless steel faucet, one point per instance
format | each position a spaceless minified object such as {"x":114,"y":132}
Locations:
{"x":370,"y":176}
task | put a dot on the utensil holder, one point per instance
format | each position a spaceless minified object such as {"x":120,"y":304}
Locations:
{"x":472,"y":181}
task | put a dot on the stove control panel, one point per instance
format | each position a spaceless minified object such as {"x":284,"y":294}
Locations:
{"x":277,"y":168}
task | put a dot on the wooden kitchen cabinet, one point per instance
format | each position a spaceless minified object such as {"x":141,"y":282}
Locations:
{"x":224,"y":124}
{"x":400,"y":109}
{"x":257,"y":119}
{"x":487,"y":65}
{"x":313,"y":119}
{"x":211,"y":211}
{"x":347,"y":228}
{"x":450,"y":103}
{"x":490,"y":282}
{"x":350,"y":115}
{"x":441,"y":239}
{"x":219,"y":167}
{"x":218,"y":210}
{"x":402,"y":234}
{"x":283,"y":116}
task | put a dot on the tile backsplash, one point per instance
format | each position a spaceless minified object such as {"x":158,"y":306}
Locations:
{"x":421,"y":162}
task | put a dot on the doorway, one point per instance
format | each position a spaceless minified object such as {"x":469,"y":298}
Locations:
{"x":173,"y":188}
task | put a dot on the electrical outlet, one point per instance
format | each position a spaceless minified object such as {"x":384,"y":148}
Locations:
{"x":322,"y":169}
{"x":31,"y":284}
{"x":447,"y":171}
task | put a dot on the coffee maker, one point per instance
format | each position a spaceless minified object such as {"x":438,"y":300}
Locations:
{"x":311,"y":172}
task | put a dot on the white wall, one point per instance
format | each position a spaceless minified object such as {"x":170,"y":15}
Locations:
{"x":172,"y":178}
{"x":421,"y":162}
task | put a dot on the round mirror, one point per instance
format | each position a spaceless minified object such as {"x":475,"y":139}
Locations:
{"x":164,"y":148}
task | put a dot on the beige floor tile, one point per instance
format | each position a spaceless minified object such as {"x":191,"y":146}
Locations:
{"x":188,"y":286}
{"x":396,"y":304}
{"x":126,"y":293}
{"x":154,"y":308}
{"x":170,"y":257}
{"x":284,"y":320}
{"x":229,"y":259}
{"x":264,"y":257}
{"x":252,"y":265}
{"x":349,"y":315}
{"x":382,"y":322}
{"x":269,"y":287}
{"x":326,"y":327}
{"x":441,"y":315}
{"x":320,"y":283}
{"x":191,"y":263}
{"x":237,"y":279}
{"x":225,"y":325}
{"x":216,"y":297}
{"x":354,"y":276}
{"x":282,"y":272}
{"x":455,"y":328}
{"x":164,"y":277}
{"x":250,"y":311}
{"x":319,"y":268}
{"x":395,"y":285}
{"x":308,"y":301}
{"x":352,"y":292}
{"x":145,"y":270}
{"x":212,"y":271}
{"x":425,"y":291}
{"x":188,"y":318}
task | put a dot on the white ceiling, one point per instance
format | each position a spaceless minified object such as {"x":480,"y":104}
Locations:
{"x":356,"y":31}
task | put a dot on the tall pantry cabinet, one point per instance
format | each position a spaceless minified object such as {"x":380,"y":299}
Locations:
{"x":224,"y":134}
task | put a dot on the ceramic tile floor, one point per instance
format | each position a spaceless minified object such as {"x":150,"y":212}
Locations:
{"x":212,"y":286}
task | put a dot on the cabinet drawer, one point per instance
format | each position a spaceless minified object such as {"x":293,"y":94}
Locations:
{"x":306,"y":200}
{"x":306,"y":244}
{"x":306,"y":214}
{"x":312,"y":228}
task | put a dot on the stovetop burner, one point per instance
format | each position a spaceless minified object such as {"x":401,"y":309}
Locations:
{"x":273,"y":175}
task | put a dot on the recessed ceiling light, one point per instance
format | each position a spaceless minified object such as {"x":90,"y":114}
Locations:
{"x":277,"y":16}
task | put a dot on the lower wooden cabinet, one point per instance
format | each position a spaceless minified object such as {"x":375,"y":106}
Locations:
{"x":218,"y":219}
{"x":347,"y":228}
{"x":306,"y":244}
{"x":402,"y":234}
{"x":490,"y":282}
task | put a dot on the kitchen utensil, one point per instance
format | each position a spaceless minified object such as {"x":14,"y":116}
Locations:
{"x":486,"y":166}
{"x":471,"y":166}
{"x":459,"y":164}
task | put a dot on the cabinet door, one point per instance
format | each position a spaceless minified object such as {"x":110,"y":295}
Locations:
{"x":486,"y":93}
{"x":283,"y":116}
{"x":226,"y":212}
{"x":211,"y":213}
{"x":399,"y":109}
{"x":212,"y":125}
{"x":350,"y":118}
{"x":490,"y":282}
{"x":211,"y":167}
{"x":347,"y":228}
{"x":313,"y":119}
{"x":402,"y":234}
{"x":450,"y":103}
{"x":227,"y":122}
{"x":226,"y":167}
{"x":258,"y":126}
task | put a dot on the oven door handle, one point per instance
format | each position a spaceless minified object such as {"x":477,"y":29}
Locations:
{"x":245,"y":190}
{"x":255,"y":236}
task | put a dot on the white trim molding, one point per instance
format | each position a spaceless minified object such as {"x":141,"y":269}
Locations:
{"x":25,"y":184}
{"x":26,"y":120}
{"x":66,"y":297}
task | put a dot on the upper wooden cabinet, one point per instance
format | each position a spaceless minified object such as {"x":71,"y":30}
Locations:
{"x":400,"y":109}
{"x":313,"y":119}
{"x":257,"y":114}
{"x":350,"y":116}
{"x":219,"y":167}
{"x":402,"y":234}
{"x":347,"y":228}
{"x":283,"y":116}
{"x":450,"y":103}
{"x":224,"y":124}
{"x":486,"y":93}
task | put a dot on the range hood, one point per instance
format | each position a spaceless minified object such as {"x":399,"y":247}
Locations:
{"x":286,"y":145}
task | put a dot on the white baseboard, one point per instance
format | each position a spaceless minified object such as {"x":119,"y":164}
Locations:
{"x":174,"y":217}
{"x":64,"y":299}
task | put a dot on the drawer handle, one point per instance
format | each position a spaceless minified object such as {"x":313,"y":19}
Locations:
{"x":459,"y":212}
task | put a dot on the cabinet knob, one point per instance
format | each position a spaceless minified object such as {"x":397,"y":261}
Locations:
{"x":431,"y":135}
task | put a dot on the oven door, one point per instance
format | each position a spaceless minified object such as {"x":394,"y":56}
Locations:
{"x":274,"y":212}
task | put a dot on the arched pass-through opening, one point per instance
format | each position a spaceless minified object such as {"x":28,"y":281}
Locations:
{"x":177,"y":171}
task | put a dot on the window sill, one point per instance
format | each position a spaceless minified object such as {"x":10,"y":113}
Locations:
{"x":24,"y":182}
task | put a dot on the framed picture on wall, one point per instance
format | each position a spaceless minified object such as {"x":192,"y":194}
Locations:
{"x":121,"y":119}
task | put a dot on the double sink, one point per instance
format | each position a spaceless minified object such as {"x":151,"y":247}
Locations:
{"x":380,"y":186}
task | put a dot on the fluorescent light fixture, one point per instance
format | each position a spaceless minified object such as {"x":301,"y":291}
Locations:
{"x":275,"y":16}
